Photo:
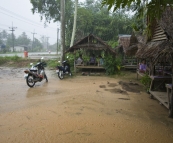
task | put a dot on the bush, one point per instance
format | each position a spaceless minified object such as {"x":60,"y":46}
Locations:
{"x":15,"y":58}
{"x":6,"y":59}
{"x":112,"y":64}
{"x":146,"y":80}
{"x":52,"y":63}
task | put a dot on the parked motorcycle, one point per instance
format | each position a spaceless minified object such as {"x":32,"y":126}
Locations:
{"x":35,"y":74}
{"x":63,"y":70}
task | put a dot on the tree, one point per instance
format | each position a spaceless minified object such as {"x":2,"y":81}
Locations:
{"x":154,"y":7}
{"x":37,"y":45}
{"x":74,"y":23}
{"x":62,"y":29}
{"x":48,"y":9}
{"x":4,"y":34}
{"x":10,"y":40}
{"x":53,"y":10}
{"x":23,"y":39}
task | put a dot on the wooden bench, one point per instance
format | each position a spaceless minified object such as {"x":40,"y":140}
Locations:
{"x":88,"y":67}
{"x":130,"y":66}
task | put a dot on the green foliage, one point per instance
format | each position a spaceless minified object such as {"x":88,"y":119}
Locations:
{"x":6,"y":59}
{"x":146,"y":80}
{"x":112,"y":64}
{"x":91,"y":18}
{"x":15,"y":58}
{"x":113,"y":44}
{"x":23,"y":39}
{"x":52,"y":63}
{"x":70,"y":58}
{"x":152,"y":9}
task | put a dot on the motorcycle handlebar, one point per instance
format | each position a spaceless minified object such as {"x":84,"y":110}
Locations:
{"x":41,"y":63}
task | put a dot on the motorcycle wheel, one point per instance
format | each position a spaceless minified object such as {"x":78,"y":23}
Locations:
{"x":30,"y":81}
{"x":60,"y":75}
{"x":45,"y":76}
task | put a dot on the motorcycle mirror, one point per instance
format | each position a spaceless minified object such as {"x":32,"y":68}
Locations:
{"x":67,"y":57}
{"x":59,"y":61}
{"x":31,"y":64}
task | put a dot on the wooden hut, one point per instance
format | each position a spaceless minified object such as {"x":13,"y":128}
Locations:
{"x":91,"y":44}
{"x":158,"y":51}
{"x":126,"y":50}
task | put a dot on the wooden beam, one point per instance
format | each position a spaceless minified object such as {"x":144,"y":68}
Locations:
{"x":159,"y":39}
{"x":159,"y":33}
{"x":90,"y":67}
{"x":159,"y":36}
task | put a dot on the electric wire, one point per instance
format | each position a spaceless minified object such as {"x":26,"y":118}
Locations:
{"x":19,"y":17}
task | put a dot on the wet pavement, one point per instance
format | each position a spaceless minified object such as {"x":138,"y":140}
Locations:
{"x":86,"y":109}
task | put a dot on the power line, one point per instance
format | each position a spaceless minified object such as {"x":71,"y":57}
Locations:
{"x":21,"y":18}
{"x":20,"y":29}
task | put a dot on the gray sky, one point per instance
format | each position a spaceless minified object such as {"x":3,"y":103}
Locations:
{"x":19,"y":13}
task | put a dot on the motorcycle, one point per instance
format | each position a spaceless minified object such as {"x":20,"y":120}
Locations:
{"x":35,"y":74}
{"x":63,"y":70}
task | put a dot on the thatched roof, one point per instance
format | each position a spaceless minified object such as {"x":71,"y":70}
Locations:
{"x":132,"y":48}
{"x":166,"y":22}
{"x":129,"y":44}
{"x":152,"y":49}
{"x":124,"y":42}
{"x":165,"y":55}
{"x":91,"y":42}
{"x":161,"y":38}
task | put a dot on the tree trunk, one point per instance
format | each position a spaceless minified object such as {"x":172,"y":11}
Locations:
{"x":74,"y":23}
{"x":57,"y":40}
{"x":62,"y":29}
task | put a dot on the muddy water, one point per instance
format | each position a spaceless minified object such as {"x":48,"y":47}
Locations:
{"x":86,"y":109}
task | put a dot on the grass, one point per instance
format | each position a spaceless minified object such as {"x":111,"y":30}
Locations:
{"x":4,"y":60}
{"x":16,"y":61}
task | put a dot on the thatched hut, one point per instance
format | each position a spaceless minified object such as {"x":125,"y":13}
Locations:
{"x":158,"y":50}
{"x":123,"y":41}
{"x":161,"y":36}
{"x":92,"y":43}
{"x":127,"y":48}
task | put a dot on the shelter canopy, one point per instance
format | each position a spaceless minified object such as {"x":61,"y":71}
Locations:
{"x":91,"y":42}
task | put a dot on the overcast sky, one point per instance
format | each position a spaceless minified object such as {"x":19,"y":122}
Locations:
{"x":19,"y":13}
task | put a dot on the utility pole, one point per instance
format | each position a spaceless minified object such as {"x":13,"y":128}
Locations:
{"x":33,"y":40}
{"x":12,"y":29}
{"x":47,"y":43}
{"x":57,"y":39}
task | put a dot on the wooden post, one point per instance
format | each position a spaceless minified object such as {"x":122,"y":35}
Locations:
{"x":74,"y":61}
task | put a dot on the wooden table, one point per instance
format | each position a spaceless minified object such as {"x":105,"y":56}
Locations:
{"x":163,"y":96}
{"x":170,"y":99}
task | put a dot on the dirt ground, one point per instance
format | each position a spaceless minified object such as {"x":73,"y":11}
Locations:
{"x":81,"y":109}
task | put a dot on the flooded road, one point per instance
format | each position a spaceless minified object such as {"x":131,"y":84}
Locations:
{"x":34,"y":55}
{"x":81,"y":109}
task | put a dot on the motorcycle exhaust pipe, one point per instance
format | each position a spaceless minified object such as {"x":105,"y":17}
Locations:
{"x":28,"y":72}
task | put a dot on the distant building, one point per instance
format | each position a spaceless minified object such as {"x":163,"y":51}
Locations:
{"x":19,"y":48}
{"x":2,"y":47}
